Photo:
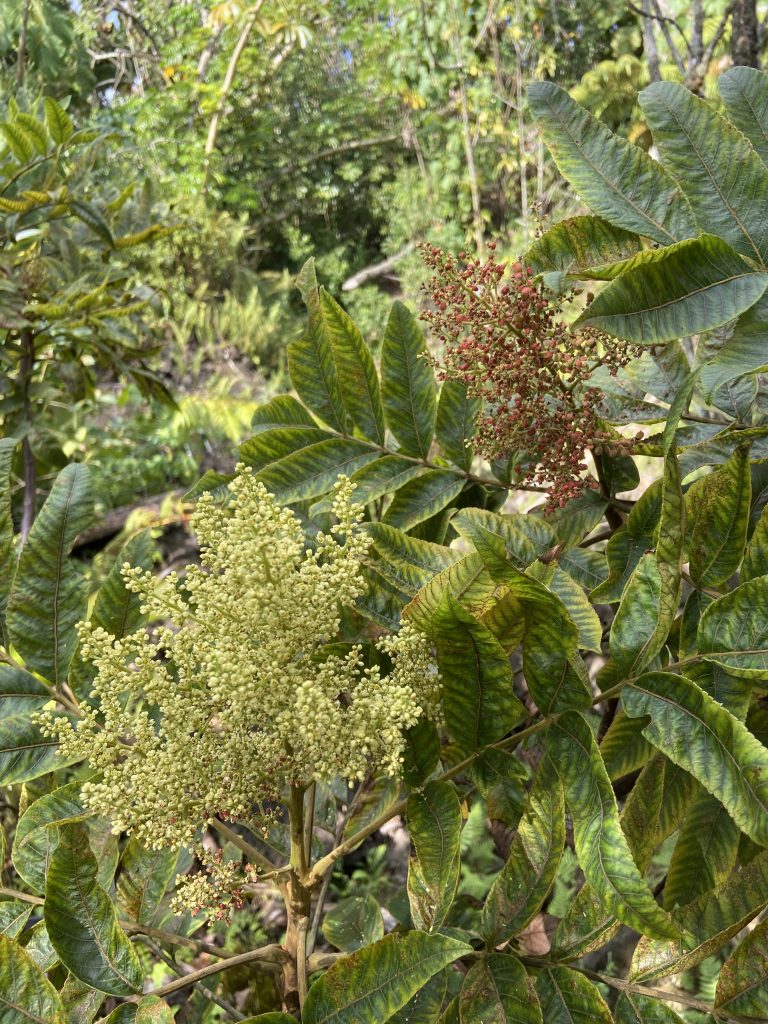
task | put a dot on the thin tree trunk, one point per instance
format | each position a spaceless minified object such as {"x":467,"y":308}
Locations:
{"x":744,"y":49}
{"x":26,"y":367}
{"x":649,"y":44}
{"x":21,"y":57}
{"x":466,"y":131}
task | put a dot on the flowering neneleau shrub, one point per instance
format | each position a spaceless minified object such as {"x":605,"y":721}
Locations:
{"x":234,"y":697}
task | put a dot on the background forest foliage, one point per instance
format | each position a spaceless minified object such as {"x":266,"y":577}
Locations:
{"x":223,"y":239}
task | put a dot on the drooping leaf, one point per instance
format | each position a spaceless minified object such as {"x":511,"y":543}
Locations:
{"x":697,"y":733}
{"x":601,"y":846}
{"x":423,"y":497}
{"x":577,"y":245}
{"x":479,"y":704}
{"x":742,"y":986}
{"x":692,"y":286}
{"x":353,"y":923}
{"x":81,"y":920}
{"x":744,"y":92}
{"x":47,"y":598}
{"x":567,"y":997}
{"x":455,"y":424}
{"x":144,"y":877}
{"x":705,"y":852}
{"x":434,"y":825}
{"x":519,"y":891}
{"x":617,"y":180}
{"x":374,"y":983}
{"x":37,"y":831}
{"x":497,"y":990}
{"x":724,"y":180}
{"x":720,"y":521}
{"x":408,"y":385}
{"x":26,"y":995}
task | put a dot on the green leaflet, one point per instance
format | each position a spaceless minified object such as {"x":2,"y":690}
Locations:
{"x":705,"y":852}
{"x":720,"y":521}
{"x":733,"y":631}
{"x":8,"y":447}
{"x":742,"y":986}
{"x":576,"y":246}
{"x":575,"y":601}
{"x":144,"y":876}
{"x":697,"y":733}
{"x":377,"y":479}
{"x":693,"y":286}
{"x":755,"y":562}
{"x":478,"y":701}
{"x":81,"y":921}
{"x":637,"y":632}
{"x":81,"y":1002}
{"x":500,"y":778}
{"x":628,"y":544}
{"x":707,"y":923}
{"x":601,"y":846}
{"x":466,"y":580}
{"x":269,"y":446}
{"x":40,"y":949}
{"x":632,"y":1008}
{"x":744,"y":92}
{"x":424,"y":1007}
{"x":408,"y":384}
{"x":724,"y":180}
{"x":14,"y":915}
{"x":57,"y":121}
{"x":25,"y":992}
{"x":519,"y":891}
{"x":25,"y":753}
{"x":281,"y":411}
{"x":371,"y":985}
{"x":37,"y":831}
{"x":310,"y":360}
{"x":455,"y":424}
{"x":498,"y":990}
{"x":47,"y":598}
{"x":577,"y":518}
{"x":20,"y":691}
{"x":354,"y":923}
{"x":422,"y":752}
{"x":149,"y":1010}
{"x":434,"y":824}
{"x":616,"y":179}
{"x":624,"y":749}
{"x":312,"y":471}
{"x":409,"y":561}
{"x":567,"y":997}
{"x":355,"y":369}
{"x":422,"y":497}
{"x":741,"y":353}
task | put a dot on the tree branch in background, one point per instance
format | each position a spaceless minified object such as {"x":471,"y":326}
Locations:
{"x":377,"y":269}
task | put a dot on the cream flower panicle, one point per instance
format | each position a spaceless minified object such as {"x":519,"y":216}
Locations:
{"x":236,"y":694}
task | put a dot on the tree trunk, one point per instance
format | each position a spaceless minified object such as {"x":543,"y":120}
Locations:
{"x":649,"y":44}
{"x":744,"y":47}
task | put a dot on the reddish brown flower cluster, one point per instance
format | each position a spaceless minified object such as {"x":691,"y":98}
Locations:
{"x":505,"y":338}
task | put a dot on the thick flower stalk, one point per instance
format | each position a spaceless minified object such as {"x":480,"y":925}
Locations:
{"x":237,"y":694}
{"x":503,"y":335}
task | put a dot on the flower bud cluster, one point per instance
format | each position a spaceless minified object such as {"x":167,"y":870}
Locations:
{"x":236,"y":694}
{"x":504,"y":337}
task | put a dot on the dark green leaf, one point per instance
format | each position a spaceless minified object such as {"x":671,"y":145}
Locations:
{"x":632,"y":1008}
{"x":354,"y":923}
{"x":434,"y":824}
{"x":25,"y":753}
{"x":497,"y":990}
{"x":144,"y":877}
{"x":705,"y":852}
{"x":26,"y":995}
{"x":720,"y":521}
{"x":408,"y":383}
{"x":314,"y":470}
{"x":742,"y":987}
{"x":455,"y":426}
{"x":744,"y":92}
{"x":423,"y":497}
{"x":20,"y":691}
{"x":37,"y":833}
{"x":577,"y":245}
{"x":567,"y":997}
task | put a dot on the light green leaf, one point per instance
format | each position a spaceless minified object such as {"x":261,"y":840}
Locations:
{"x":47,"y":598}
{"x":421,"y":498}
{"x":26,"y":995}
{"x":519,"y":891}
{"x":733,"y":631}
{"x":617,"y":180}
{"x":693,"y":286}
{"x":705,"y":852}
{"x":314,"y":470}
{"x":372,"y":984}
{"x":742,"y":986}
{"x":576,"y":246}
{"x":37,"y":833}
{"x":744,"y":92}
{"x":455,"y":425}
{"x":13,"y":916}
{"x":57,"y":121}
{"x":632,"y":1008}
{"x":742,"y":352}
{"x":478,"y":701}
{"x":35,"y":130}
{"x":144,"y":877}
{"x":81,"y":1002}
{"x":408,"y":384}
{"x":81,"y":920}
{"x":697,"y":733}
{"x":720,"y":520}
{"x":354,"y":923}
{"x":270,"y":446}
{"x":407,"y":561}
{"x":724,"y":180}
{"x":497,"y":990}
{"x":355,"y":369}
{"x":18,"y":141}
{"x":378,"y":479}
{"x":567,"y":997}
{"x":601,"y":846}
{"x":434,"y":824}
{"x":40,"y":949}
{"x":624,"y":749}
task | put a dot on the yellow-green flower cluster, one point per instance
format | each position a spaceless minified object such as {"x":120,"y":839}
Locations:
{"x":237,"y":693}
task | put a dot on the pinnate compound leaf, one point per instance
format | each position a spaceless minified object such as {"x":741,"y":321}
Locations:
{"x":354,"y":923}
{"x":742,"y":987}
{"x":720,"y":521}
{"x":478,"y":701}
{"x":497,"y":990}
{"x":81,"y":920}
{"x":434,"y":825}
{"x":374,"y":983}
{"x":617,"y":180}
{"x":567,"y":997}
{"x":408,"y":384}
{"x":705,"y":739}
{"x":724,"y":180}
{"x":26,"y":995}
{"x":632,"y":1008}
{"x":733,"y":630}
{"x":519,"y":891}
{"x":601,"y":846}
{"x":47,"y":598}
{"x":693,"y":286}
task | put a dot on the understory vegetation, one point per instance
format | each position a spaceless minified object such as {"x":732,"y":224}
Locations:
{"x":383,"y":513}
